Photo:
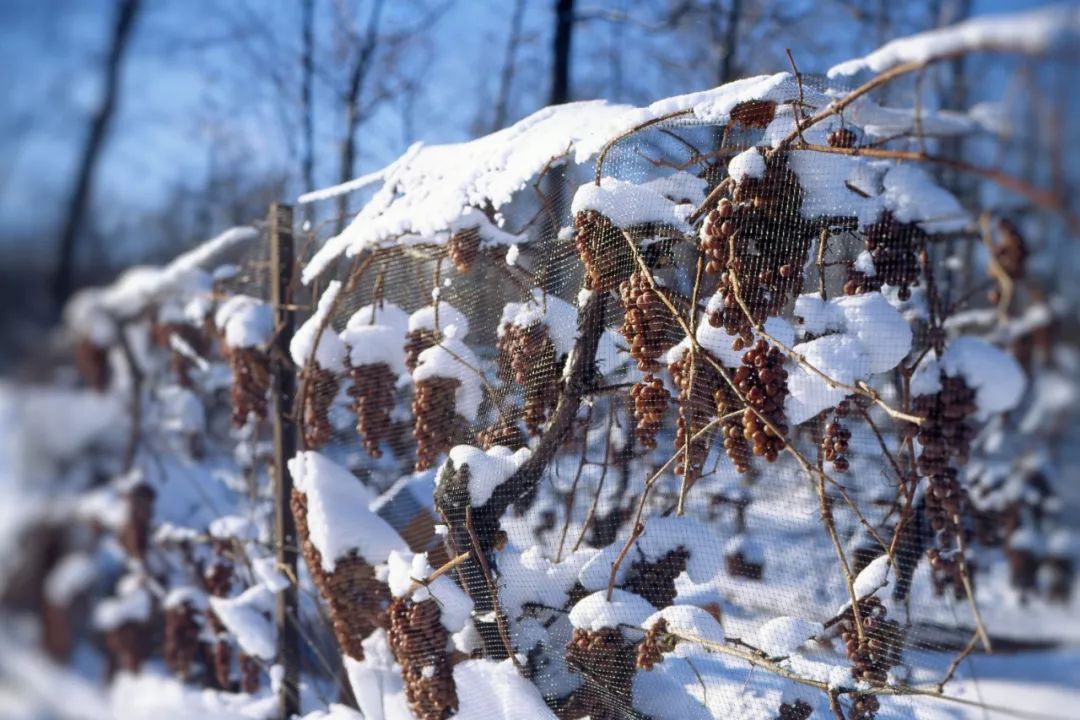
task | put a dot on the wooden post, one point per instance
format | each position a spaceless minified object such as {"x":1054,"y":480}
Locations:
{"x":283,"y":393}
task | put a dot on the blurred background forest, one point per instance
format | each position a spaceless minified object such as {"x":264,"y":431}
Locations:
{"x":133,"y":130}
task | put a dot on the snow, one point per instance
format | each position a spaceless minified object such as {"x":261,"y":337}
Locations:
{"x":330,"y":354}
{"x":75,"y":573}
{"x":783,"y":635}
{"x":149,"y":696}
{"x":376,"y":680}
{"x":246,"y":321}
{"x":1028,"y":32}
{"x":489,"y":690}
{"x":825,"y":180}
{"x":748,"y":163}
{"x":628,"y":204}
{"x":595,"y":611}
{"x":718,"y":342}
{"x":689,"y":623}
{"x":451,"y":358}
{"x":383,"y":313}
{"x":559,"y":316}
{"x":440,"y":317}
{"x":840,"y":357}
{"x":228,"y":527}
{"x":529,"y":577}
{"x":334,"y":712}
{"x":247,"y":618}
{"x":512,"y":254}
{"x":455,"y":606}
{"x":487,"y":470}
{"x":266,"y":572}
{"x":339,"y":519}
{"x":185,"y":594}
{"x":132,"y":603}
{"x":996,"y":377}
{"x":873,"y":577}
{"x":376,"y":344}
{"x":913,"y":196}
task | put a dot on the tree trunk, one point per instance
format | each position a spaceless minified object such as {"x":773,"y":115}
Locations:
{"x":560,"y":51}
{"x":63,"y":280}
{"x":307,"y":64}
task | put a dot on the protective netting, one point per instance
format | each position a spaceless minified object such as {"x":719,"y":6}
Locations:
{"x":716,"y":408}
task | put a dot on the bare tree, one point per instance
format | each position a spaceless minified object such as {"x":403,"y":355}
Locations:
{"x":506,"y":78}
{"x":561,"y":52}
{"x":307,"y":63}
{"x":100,"y":121}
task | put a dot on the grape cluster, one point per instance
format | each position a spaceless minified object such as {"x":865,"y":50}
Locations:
{"x":372,"y":394}
{"x":322,"y":387}
{"x":92,"y":362}
{"x":731,"y":426}
{"x":182,"y":631}
{"x":463,"y":247}
{"x":416,"y":342}
{"x":834,"y":443}
{"x":881,"y":645}
{"x":354,"y":596}
{"x":503,"y":432}
{"x":419,"y":643}
{"x":758,"y":241}
{"x":652,"y":647}
{"x":434,"y":415}
{"x":754,"y":113}
{"x":655,"y":581}
{"x":604,"y":251}
{"x":528,"y":357}
{"x":650,"y":403}
{"x":643,"y":321}
{"x":250,"y":673}
{"x":251,"y":382}
{"x":762,"y":380}
{"x":894,"y":248}
{"x":697,"y":385}
{"x":945,"y":434}
{"x":841,"y":138}
{"x":606,"y":662}
{"x":798,"y":710}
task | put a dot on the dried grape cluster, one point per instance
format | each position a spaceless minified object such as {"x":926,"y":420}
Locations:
{"x":463,"y":247}
{"x":754,"y":113}
{"x":873,"y":655}
{"x":606,"y":661}
{"x":251,"y":383}
{"x":834,"y":443}
{"x":894,"y":247}
{"x":416,"y":342}
{"x":356,"y":599}
{"x":182,"y":631}
{"x":762,"y":380}
{"x":697,"y":382}
{"x":798,"y":710}
{"x":92,"y":362}
{"x":419,"y":643}
{"x":841,"y":138}
{"x":503,"y":432}
{"x":728,"y":409}
{"x":604,"y":251}
{"x":758,"y":241}
{"x":322,"y":388}
{"x":435,"y":418}
{"x":372,"y":393}
{"x":655,"y":581}
{"x":528,"y":357}
{"x":652,"y":647}
{"x":644,"y":319}
{"x":1010,"y":254}
{"x":945,"y":434}
{"x":650,"y":403}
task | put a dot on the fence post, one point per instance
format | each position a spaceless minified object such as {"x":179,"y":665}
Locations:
{"x":283,"y":391}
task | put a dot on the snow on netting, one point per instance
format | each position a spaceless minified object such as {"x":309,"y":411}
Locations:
{"x":737,"y":405}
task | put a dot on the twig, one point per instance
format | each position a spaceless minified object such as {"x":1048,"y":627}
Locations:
{"x":500,"y":622}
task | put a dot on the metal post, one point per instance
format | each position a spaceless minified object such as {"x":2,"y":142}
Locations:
{"x":283,"y":392}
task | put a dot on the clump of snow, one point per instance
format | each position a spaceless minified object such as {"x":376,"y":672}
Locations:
{"x":381,"y":313}
{"x":827,"y":182}
{"x":440,"y":317}
{"x":489,"y":690}
{"x":749,"y":163}
{"x":375,"y":344}
{"x":247,"y":618}
{"x":690,"y":623}
{"x":628,"y":204}
{"x":265,"y":570}
{"x":404,"y":567}
{"x":559,"y":316}
{"x":246,"y":321}
{"x":530,"y":577}
{"x":228,"y":527}
{"x":330,"y":354}
{"x":595,"y":611}
{"x":512,"y":254}
{"x":132,"y":603}
{"x":783,"y":635}
{"x":339,"y":519}
{"x":996,"y":376}
{"x":185,"y":595}
{"x":913,"y":196}
{"x":72,"y":575}
{"x":873,"y":577}
{"x":487,"y":469}
{"x":451,"y":358}
{"x":1030,"y":32}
